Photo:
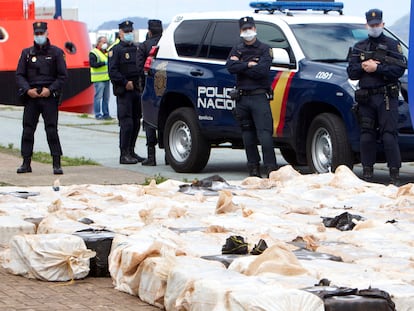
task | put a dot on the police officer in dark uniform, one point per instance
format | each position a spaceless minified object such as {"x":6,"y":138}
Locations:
{"x":40,"y":76}
{"x":153,"y":36}
{"x":378,"y":95}
{"x":250,"y":60}
{"x":124,"y":76}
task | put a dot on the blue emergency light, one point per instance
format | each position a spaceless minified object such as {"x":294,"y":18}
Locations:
{"x":282,"y":6}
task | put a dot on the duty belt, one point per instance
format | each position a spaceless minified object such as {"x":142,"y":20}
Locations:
{"x":381,"y":90}
{"x":253,"y":92}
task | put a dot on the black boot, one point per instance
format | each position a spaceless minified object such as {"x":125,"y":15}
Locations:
{"x":135,"y":156}
{"x":127,"y":158}
{"x":367,"y":173}
{"x":254,"y":170}
{"x":395,"y":176}
{"x":150,"y":161}
{"x":25,"y":167}
{"x":57,"y":169}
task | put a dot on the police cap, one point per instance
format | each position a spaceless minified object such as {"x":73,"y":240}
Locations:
{"x":374,"y":17}
{"x":39,"y":27}
{"x":126,"y":26}
{"x":155,"y":26}
{"x":246,"y":22}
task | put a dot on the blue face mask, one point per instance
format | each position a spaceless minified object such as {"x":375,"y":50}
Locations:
{"x":40,"y":39}
{"x":129,"y":36}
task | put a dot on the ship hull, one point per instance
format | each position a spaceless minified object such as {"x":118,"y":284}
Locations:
{"x":72,"y":37}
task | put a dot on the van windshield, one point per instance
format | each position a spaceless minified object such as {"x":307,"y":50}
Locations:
{"x":331,"y":42}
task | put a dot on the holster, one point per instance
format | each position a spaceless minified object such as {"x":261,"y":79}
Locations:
{"x":235,"y":94}
{"x":57,"y":95}
{"x":362,"y":96}
{"x":393,"y":90}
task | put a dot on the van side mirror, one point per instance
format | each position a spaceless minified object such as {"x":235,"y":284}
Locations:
{"x":280,"y":56}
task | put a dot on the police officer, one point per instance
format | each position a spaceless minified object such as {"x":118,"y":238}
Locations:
{"x":250,"y":60}
{"x":378,"y":96}
{"x":153,"y":36}
{"x":124,"y":76}
{"x":40,"y":75}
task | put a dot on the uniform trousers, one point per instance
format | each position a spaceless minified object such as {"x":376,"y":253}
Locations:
{"x":255,"y":118}
{"x":129,"y":117}
{"x":48,"y":108}
{"x":377,"y":120}
{"x":151,"y":135}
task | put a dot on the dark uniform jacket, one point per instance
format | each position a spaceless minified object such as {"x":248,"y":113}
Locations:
{"x":386,"y":73}
{"x":122,"y":64}
{"x":256,"y":77}
{"x":41,"y":66}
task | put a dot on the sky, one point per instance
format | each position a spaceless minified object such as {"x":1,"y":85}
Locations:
{"x":95,"y":12}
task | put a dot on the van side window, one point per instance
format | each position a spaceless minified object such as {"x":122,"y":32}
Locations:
{"x":225,"y":35}
{"x":187,"y":37}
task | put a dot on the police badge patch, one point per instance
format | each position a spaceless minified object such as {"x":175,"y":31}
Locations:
{"x":110,"y":53}
{"x":127,"y":56}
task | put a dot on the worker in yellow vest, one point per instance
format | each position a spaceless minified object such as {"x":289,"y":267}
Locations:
{"x":98,"y":60}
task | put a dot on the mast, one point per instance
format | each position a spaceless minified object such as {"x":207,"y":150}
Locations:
{"x":58,"y":9}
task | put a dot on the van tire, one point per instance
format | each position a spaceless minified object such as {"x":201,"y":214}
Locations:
{"x":327,"y":145}
{"x":186,"y":149}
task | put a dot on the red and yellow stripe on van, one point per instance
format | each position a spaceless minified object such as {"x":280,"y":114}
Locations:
{"x":281,"y":87}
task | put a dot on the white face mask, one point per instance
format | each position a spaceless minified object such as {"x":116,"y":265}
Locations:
{"x":104,"y":46}
{"x":248,"y":34}
{"x":375,"y":32}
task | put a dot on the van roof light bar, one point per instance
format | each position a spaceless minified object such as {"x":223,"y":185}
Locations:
{"x":282,"y":6}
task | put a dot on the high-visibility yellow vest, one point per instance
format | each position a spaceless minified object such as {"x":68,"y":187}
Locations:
{"x":101,"y":73}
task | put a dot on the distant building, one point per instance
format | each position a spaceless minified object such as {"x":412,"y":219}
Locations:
{"x":49,"y":12}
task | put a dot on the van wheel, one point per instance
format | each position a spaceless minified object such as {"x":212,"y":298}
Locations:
{"x":186,"y":149}
{"x":327,"y":145}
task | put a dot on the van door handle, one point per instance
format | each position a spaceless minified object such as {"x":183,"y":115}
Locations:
{"x":196,"y":72}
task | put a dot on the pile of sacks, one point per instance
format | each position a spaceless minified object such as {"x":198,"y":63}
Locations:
{"x":168,"y":238}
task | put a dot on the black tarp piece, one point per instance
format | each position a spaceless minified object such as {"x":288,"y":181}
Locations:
{"x":99,"y":241}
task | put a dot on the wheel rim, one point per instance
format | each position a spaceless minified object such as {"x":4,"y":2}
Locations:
{"x":322,"y":151}
{"x":180,"y":141}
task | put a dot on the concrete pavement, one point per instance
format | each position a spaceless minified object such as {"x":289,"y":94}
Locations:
{"x":83,"y":136}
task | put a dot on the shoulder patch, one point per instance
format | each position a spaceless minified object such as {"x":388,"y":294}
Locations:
{"x":399,"y":48}
{"x":110,"y":53}
{"x":271,"y":53}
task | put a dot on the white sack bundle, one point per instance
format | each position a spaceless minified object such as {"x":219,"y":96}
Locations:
{"x":153,"y":272}
{"x":184,"y":271}
{"x":270,"y":299}
{"x":11,"y":225}
{"x":277,"y":259}
{"x":127,"y":253}
{"x":48,"y":257}
{"x":152,"y":276}
{"x":231,"y":291}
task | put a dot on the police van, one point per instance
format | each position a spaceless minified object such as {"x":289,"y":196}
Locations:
{"x":187,"y":99}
